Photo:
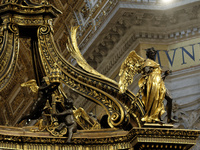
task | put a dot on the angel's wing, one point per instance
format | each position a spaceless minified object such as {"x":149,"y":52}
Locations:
{"x":131,"y":66}
{"x":32,"y":84}
{"x":72,"y":47}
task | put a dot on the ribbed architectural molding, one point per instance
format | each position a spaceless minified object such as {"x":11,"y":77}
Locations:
{"x":129,"y":25}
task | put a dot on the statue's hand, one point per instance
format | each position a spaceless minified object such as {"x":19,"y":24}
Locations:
{"x":167,"y":72}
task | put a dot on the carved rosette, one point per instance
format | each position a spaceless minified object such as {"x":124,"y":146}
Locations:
{"x":9,"y":50}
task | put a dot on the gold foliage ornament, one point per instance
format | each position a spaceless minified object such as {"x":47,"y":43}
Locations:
{"x":132,"y":65}
{"x":52,"y":129}
{"x":32,"y":85}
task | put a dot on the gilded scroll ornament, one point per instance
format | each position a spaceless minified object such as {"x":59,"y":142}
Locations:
{"x":85,"y":83}
{"x":9,"y":53}
{"x":88,"y":83}
{"x":151,"y":84}
{"x":13,"y":28}
{"x":72,"y":47}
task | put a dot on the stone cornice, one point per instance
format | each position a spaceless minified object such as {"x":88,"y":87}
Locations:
{"x":126,"y":30}
{"x":114,"y":60}
{"x":127,"y":6}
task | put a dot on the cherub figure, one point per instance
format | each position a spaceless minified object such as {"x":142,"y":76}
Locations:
{"x":44,"y":93}
{"x":151,"y":84}
{"x":66,"y":119}
{"x":48,"y":86}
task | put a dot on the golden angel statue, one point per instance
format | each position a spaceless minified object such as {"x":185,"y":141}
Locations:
{"x":151,"y":84}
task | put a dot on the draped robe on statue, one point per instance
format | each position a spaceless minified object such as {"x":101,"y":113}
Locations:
{"x":153,"y":91}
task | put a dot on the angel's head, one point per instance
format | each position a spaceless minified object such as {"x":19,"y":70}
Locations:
{"x":151,"y":53}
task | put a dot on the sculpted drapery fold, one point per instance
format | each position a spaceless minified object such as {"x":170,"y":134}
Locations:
{"x":151,"y":84}
{"x":153,"y":91}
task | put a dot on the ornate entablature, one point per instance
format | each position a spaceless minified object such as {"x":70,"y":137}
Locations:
{"x":137,"y":138}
